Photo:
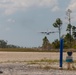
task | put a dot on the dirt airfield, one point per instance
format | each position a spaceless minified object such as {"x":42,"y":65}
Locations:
{"x":27,"y":56}
{"x":8,"y":67}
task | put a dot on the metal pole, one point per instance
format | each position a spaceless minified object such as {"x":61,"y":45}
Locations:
{"x":61,"y":52}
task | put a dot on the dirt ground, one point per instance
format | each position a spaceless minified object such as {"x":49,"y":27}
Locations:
{"x":18,"y":68}
{"x":21,"y":56}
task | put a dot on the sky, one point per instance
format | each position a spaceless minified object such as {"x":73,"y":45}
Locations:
{"x":21,"y":21}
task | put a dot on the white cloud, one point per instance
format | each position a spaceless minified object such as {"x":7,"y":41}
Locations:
{"x":9,"y":11}
{"x":11,"y":6}
{"x":11,"y":20}
{"x":72,"y":5}
{"x":56,"y":8}
{"x":7,"y":29}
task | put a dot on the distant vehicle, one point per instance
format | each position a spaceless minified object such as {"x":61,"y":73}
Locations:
{"x":48,"y":33}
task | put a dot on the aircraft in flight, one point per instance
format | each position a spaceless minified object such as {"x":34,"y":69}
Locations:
{"x":48,"y":33}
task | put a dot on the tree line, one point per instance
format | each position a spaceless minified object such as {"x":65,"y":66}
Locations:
{"x":4,"y":44}
{"x":69,"y":37}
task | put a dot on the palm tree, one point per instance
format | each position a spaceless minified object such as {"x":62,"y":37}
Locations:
{"x":58,"y":24}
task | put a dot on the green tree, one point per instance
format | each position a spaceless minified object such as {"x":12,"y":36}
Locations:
{"x":56,"y":44}
{"x":46,"y":44}
{"x":3,"y":44}
{"x":74,"y":36}
{"x":66,"y":40}
{"x":58,"y":24}
{"x":74,"y":32}
{"x":69,"y":29}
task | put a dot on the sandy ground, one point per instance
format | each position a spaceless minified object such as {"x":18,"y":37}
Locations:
{"x":5,"y":56}
{"x":21,"y":56}
{"x":26,"y":69}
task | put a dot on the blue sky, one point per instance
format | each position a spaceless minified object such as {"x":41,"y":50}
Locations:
{"x":22,"y":20}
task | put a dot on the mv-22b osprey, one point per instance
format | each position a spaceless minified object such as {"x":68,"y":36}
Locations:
{"x":48,"y":33}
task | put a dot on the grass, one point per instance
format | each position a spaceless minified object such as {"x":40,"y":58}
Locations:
{"x":43,"y":60}
{"x":26,"y":50}
{"x":16,"y":50}
{"x":31,"y":62}
{"x":45,"y":64}
{"x":19,"y":50}
{"x":23,"y":50}
{"x":45,"y":67}
{"x":31,"y":50}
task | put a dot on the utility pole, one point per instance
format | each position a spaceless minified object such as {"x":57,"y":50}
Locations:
{"x":68,"y":13}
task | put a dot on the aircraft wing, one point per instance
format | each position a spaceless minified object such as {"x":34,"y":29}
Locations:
{"x":54,"y":32}
{"x":43,"y":32}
